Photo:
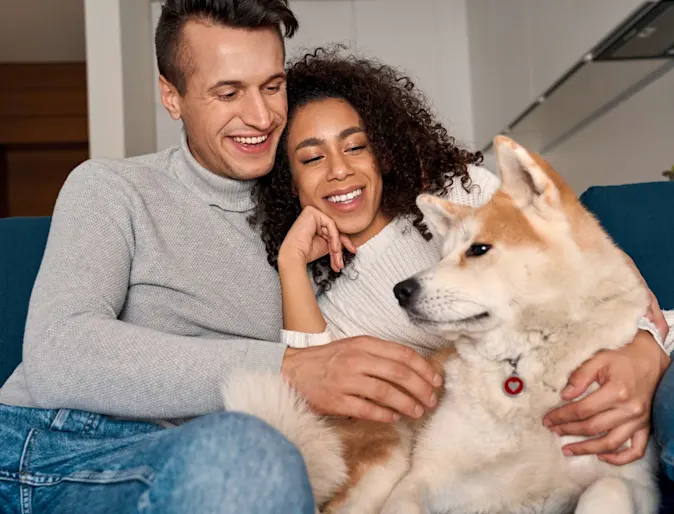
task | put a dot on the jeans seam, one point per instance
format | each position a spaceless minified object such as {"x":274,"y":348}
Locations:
{"x":24,"y":490}
{"x":91,"y":423}
{"x":43,"y":480}
{"x":60,"y":419}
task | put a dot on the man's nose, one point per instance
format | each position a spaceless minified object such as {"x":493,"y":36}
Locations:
{"x":406,"y":291}
{"x":256,"y":113}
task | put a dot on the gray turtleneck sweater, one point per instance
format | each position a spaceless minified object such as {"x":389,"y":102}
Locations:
{"x":153,"y":286}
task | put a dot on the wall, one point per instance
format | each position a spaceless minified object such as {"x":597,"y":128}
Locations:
{"x":42,"y":30}
{"x":433,"y":49}
{"x":519,"y":48}
{"x":120,"y":79}
{"x":631,"y":143}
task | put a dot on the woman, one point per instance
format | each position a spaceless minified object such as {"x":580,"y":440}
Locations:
{"x":360,"y":146}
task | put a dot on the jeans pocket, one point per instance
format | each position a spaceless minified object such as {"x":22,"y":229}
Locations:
{"x":51,"y":457}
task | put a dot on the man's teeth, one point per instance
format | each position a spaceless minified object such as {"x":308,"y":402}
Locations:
{"x":345,"y":198}
{"x":251,"y":140}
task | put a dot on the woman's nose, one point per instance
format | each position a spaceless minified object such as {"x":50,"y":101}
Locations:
{"x":339,"y":168}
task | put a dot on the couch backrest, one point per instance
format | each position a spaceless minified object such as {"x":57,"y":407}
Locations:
{"x":22,"y":243}
{"x":640,"y":218}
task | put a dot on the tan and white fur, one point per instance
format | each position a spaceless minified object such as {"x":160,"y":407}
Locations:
{"x":551,"y":291}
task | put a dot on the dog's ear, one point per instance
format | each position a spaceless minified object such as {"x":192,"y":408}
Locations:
{"x":523,"y":177}
{"x":439,"y":214}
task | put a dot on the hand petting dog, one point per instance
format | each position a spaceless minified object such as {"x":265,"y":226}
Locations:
{"x":363,"y":377}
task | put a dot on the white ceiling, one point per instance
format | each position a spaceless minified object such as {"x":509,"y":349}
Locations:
{"x":42,"y":30}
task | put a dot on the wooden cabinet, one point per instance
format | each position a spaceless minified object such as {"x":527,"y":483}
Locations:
{"x":43,"y":133}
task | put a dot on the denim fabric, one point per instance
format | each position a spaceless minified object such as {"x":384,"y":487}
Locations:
{"x":74,"y":462}
{"x":663,"y":421}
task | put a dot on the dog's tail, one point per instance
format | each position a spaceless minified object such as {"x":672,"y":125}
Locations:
{"x":271,"y":399}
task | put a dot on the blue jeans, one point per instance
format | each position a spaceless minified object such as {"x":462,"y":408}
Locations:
{"x":663,"y":421}
{"x":74,"y":462}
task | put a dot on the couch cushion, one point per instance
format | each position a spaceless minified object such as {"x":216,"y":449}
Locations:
{"x":22,"y":243}
{"x":640,"y":218}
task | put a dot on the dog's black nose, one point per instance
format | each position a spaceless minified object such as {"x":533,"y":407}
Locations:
{"x":406,"y":291}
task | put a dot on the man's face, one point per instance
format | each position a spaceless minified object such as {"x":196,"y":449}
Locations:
{"x":235,"y":107}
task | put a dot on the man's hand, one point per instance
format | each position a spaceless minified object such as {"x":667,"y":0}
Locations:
{"x":620,"y":409}
{"x":362,"y":377}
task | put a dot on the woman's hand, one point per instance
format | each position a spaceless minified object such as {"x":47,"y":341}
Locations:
{"x":313,"y":235}
{"x":620,"y":410}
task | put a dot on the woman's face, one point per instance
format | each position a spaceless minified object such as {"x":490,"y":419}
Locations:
{"x":333,"y":167}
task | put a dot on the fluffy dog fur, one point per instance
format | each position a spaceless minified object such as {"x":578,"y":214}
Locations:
{"x":529,"y":277}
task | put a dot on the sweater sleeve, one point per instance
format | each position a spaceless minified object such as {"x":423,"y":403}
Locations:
{"x":79,"y":355}
{"x":668,"y":344}
{"x":305,"y":340}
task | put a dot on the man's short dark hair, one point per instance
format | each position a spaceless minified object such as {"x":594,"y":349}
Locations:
{"x":173,"y":58}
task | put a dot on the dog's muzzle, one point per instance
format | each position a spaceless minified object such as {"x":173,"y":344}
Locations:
{"x":407,"y":291}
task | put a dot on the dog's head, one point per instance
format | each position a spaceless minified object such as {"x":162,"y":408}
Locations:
{"x":532,"y":255}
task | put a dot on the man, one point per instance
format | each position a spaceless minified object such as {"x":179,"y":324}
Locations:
{"x":153,"y":288}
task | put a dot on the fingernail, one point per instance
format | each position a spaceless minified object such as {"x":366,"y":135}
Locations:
{"x":557,"y":431}
{"x":547,"y":422}
{"x":567,"y":452}
{"x":433,"y":401}
{"x":437,"y":380}
{"x":567,"y":390}
{"x":418,"y":411}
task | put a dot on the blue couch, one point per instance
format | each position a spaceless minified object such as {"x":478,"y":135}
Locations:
{"x":640,"y":218}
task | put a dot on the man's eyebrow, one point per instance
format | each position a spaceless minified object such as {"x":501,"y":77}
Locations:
{"x":238,"y":83}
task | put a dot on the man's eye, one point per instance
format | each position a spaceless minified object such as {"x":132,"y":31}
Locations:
{"x":227,"y":96}
{"x":478,"y":249}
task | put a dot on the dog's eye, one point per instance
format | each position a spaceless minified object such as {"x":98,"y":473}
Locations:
{"x":478,"y":249}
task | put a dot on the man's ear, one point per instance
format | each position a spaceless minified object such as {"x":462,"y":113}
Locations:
{"x":522,"y":176}
{"x":170,"y":98}
{"x":439,"y":214}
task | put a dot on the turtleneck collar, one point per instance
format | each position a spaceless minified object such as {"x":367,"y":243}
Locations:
{"x":226,"y":193}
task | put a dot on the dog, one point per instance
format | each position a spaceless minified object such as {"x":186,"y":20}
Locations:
{"x":529,"y":287}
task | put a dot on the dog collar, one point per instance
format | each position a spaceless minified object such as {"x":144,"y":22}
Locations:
{"x":513,"y":385}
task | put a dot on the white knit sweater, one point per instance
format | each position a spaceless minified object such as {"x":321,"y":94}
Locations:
{"x":361,"y":300}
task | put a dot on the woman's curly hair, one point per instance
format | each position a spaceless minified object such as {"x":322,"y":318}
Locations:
{"x":413,"y":151}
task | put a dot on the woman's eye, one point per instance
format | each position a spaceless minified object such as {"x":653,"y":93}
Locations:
{"x":356,"y":148}
{"x":311,"y":159}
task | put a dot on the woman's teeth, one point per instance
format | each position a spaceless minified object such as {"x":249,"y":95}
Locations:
{"x":251,"y":140}
{"x":349,"y":197}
